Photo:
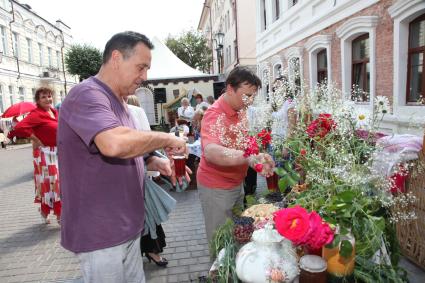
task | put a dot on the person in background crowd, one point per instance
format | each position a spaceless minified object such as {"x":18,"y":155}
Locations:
{"x":210,"y":100}
{"x":148,"y":246}
{"x":200,"y":103}
{"x":102,"y":158}
{"x":197,"y":123}
{"x":40,"y":125}
{"x":185,"y":111}
{"x":223,"y":163}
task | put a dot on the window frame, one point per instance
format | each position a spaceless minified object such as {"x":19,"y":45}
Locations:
{"x":363,"y":63}
{"x":324,"y":70}
{"x":410,"y":52}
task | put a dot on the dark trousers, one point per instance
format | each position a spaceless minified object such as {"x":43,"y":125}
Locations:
{"x":250,"y":184}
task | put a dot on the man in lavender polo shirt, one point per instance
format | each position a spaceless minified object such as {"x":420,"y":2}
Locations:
{"x":102,"y":165}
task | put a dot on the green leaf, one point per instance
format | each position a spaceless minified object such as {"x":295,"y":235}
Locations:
{"x":335,"y":242}
{"x":283,"y":184}
{"x":281,"y":172}
{"x":346,"y":249}
{"x":287,"y":166}
{"x":291,"y":181}
{"x":347,"y":196}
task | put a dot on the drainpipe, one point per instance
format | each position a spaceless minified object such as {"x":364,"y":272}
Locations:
{"x":63,"y":63}
{"x":13,"y":46}
{"x":236,"y":28}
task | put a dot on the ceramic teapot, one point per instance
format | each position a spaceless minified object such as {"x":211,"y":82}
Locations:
{"x":268,"y":258}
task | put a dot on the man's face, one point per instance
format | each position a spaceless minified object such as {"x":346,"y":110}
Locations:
{"x":244,"y":95}
{"x":198,"y":100}
{"x":132,"y":71}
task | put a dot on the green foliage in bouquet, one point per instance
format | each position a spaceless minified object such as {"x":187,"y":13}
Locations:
{"x":336,"y":161}
{"x":223,"y":239}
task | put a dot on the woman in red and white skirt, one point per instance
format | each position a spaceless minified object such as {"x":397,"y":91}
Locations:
{"x":40,"y":125}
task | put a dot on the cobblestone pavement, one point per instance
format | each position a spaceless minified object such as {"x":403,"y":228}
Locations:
{"x":30,"y":251}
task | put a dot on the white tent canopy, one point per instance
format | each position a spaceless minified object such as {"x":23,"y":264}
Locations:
{"x":166,"y":65}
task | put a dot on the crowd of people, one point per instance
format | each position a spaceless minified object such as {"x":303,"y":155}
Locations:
{"x":102,"y":147}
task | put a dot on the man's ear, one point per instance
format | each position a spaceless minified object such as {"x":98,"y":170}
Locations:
{"x":116,"y":58}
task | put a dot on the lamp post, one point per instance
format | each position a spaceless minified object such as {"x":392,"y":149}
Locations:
{"x":219,"y":36}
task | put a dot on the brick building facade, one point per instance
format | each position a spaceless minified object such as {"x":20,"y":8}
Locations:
{"x":363,"y":42}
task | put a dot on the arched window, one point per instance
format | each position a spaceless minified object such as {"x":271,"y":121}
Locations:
{"x":322,"y":66}
{"x":360,"y":71}
{"x":416,"y":61}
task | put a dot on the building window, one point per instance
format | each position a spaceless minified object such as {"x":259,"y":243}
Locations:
{"x":15,"y":45}
{"x":58,"y":61}
{"x":235,"y":45}
{"x":176,"y":93}
{"x":3,"y":39}
{"x":360,"y":72}
{"x":33,"y":90}
{"x":49,"y":54}
{"x":29,"y":46}
{"x":416,"y":61}
{"x":276,"y":9}
{"x":21,"y":94}
{"x":263,"y":15}
{"x":322,"y":66}
{"x":228,"y":20}
{"x":40,"y":53}
{"x":277,"y":71}
{"x":11,"y":94}
{"x":1,"y":99}
{"x":295,"y":72}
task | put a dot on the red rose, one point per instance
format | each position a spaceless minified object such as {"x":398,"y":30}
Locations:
{"x":321,"y":126}
{"x":265,"y":137}
{"x":252,"y":147}
{"x":258,"y":167}
{"x":292,"y":223}
{"x":303,"y":152}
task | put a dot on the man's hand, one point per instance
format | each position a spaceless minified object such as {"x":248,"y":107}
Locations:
{"x":265,"y":160}
{"x":175,"y":179}
{"x":176,"y":146}
{"x":162,"y":165}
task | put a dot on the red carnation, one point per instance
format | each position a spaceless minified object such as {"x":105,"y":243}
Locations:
{"x":252,"y":147}
{"x":321,"y":126}
{"x":265,"y":137}
{"x":258,"y":167}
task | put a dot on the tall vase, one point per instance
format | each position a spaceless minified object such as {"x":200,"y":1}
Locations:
{"x":340,"y":267}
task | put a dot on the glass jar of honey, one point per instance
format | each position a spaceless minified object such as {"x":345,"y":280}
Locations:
{"x":312,"y":269}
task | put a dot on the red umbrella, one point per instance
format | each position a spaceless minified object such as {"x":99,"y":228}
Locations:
{"x":18,"y":109}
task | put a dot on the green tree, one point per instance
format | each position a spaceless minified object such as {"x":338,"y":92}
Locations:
{"x":83,"y":61}
{"x":192,"y":48}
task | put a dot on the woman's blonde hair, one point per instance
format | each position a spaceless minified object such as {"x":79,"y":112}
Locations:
{"x":133,"y":100}
{"x":185,"y":99}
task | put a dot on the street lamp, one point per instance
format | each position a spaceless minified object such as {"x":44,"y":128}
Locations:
{"x":219,"y":36}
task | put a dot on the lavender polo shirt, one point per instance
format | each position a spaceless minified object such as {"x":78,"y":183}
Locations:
{"x":102,"y":197}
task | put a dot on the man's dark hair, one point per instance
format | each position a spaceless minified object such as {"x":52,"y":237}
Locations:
{"x":240,"y":75}
{"x":124,"y":42}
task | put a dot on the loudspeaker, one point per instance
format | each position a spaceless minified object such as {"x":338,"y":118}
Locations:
{"x":160,"y":95}
{"x":218,"y":88}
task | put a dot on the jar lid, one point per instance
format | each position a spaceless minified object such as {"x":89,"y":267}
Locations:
{"x":313,"y":263}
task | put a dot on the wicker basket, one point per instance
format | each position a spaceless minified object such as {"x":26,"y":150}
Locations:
{"x":411,"y":235}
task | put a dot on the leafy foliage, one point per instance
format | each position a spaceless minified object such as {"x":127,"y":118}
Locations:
{"x":192,"y":48}
{"x":83,"y":61}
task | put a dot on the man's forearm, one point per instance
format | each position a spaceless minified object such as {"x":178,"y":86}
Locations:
{"x":122,"y":142}
{"x":223,"y":156}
